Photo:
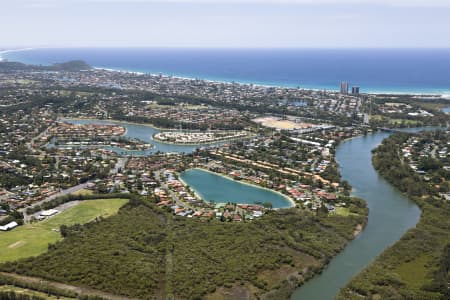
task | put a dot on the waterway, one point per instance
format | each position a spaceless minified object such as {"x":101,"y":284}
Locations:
{"x":216,"y":188}
{"x":391,"y":214}
{"x":144,"y":133}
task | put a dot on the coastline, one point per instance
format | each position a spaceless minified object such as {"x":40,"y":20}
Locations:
{"x":315,"y":88}
{"x":290,"y":200}
{"x":443,"y":92}
{"x":12,"y":50}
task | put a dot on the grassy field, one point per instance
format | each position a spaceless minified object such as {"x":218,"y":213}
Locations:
{"x":343,"y":211}
{"x":414,"y":273}
{"x":392,"y":121}
{"x":33,"y":239}
{"x":433,"y":105}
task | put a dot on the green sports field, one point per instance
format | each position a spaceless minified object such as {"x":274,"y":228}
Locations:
{"x":33,"y":239}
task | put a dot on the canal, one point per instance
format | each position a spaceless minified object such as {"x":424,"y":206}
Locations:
{"x":142,"y":132}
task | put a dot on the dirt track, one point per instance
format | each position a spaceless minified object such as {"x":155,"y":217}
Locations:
{"x":68,"y":287}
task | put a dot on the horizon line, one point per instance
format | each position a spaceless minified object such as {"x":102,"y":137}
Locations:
{"x":23,"y":48}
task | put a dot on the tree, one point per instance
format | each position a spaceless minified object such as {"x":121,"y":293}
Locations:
{"x":267,"y":205}
{"x":63,"y":229}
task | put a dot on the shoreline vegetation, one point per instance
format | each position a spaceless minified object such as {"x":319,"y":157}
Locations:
{"x":290,"y":200}
{"x":417,"y":265}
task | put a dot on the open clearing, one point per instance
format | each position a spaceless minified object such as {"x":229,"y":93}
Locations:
{"x":343,"y":211}
{"x":277,"y":123}
{"x":33,"y":239}
{"x":415,"y":272}
{"x":393,"y":121}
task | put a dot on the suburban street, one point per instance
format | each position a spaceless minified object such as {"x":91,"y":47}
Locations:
{"x":171,"y":193}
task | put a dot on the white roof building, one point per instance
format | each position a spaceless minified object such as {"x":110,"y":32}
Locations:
{"x":9,"y":226}
{"x":48,"y":213}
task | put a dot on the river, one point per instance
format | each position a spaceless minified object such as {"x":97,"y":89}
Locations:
{"x":391,"y":214}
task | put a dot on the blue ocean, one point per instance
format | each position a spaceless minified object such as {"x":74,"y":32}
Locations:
{"x":374,"y":70}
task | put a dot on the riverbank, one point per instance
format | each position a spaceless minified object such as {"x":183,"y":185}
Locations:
{"x":416,"y":266}
{"x":390,"y":216}
{"x":291,"y":201}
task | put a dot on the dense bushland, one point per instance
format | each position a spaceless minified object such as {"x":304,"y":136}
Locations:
{"x":147,"y":253}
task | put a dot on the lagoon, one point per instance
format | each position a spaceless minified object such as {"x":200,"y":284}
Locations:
{"x":213,"y":187}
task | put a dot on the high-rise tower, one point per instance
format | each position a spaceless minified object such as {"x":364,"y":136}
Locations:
{"x":344,"y":87}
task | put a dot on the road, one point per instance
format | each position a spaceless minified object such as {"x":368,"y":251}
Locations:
{"x":120,"y":165}
{"x":177,"y":200}
{"x":70,"y":190}
{"x":31,"y":144}
{"x":63,"y":286}
{"x":60,"y":208}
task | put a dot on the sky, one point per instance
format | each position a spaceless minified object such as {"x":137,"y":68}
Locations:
{"x":225,"y":23}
